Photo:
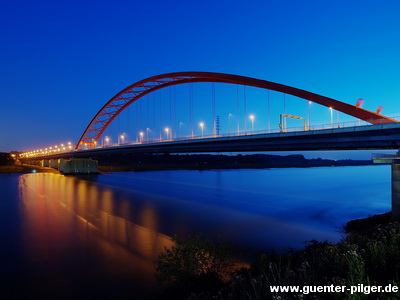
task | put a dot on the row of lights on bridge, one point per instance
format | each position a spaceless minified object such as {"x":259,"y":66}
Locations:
{"x":121,"y":139}
{"x":252,"y":118}
{"x":47,"y":151}
{"x":167,"y":130}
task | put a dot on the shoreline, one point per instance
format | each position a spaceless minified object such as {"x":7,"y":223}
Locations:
{"x":168,"y":162}
{"x":24,"y":169}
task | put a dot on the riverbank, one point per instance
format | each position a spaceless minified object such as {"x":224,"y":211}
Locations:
{"x":26,"y":169}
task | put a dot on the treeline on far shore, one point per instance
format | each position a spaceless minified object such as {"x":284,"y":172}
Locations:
{"x":165,"y":161}
{"x":138,"y":162}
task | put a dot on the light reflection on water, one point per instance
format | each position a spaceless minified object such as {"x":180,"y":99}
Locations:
{"x":260,"y":209}
{"x":73,"y":237}
{"x":100,"y":235}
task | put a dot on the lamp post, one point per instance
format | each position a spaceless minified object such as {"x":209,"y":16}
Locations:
{"x":105,"y":141}
{"x":180,"y":129}
{"x":309,"y":115}
{"x":147,"y":133}
{"x":252,"y":117}
{"x":229,"y":123}
{"x":141,"y":136}
{"x":201,"y":124}
{"x":331,"y":109}
{"x":167,"y":132}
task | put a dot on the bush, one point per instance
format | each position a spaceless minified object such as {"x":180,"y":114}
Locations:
{"x":194,"y":265}
{"x":196,"y":268}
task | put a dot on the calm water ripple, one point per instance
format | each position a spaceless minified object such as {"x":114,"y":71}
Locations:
{"x":99,"y":236}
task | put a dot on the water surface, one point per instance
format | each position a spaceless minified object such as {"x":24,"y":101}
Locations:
{"x":98,"y":237}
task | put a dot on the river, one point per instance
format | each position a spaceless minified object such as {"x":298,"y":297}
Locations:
{"x":98,"y":237}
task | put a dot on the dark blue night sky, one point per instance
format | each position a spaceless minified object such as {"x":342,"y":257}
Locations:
{"x":61,"y":61}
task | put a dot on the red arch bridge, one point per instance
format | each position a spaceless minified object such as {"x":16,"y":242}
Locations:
{"x":379,"y":131}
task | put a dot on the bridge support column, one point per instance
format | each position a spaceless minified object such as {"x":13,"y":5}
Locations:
{"x":53,"y":163}
{"x":46,"y":163}
{"x":78,"y":166}
{"x":396,"y":189}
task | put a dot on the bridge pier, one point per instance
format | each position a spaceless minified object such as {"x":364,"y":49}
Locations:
{"x":69,"y":166}
{"x":78,"y":166}
{"x":394,"y":160}
{"x":53,"y":163}
{"x":45,"y":163}
{"x":396,"y":189}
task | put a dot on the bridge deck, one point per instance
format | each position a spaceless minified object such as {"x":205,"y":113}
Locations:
{"x":380,"y":136}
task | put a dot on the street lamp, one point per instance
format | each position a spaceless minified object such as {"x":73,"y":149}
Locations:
{"x":309,"y":115}
{"x":106,"y":139}
{"x":180,"y":129}
{"x":122,"y":138}
{"x":229,"y":123}
{"x":252,"y":117}
{"x":147,"y":133}
{"x":167,"y":132}
{"x":141,"y":137}
{"x":331,"y":109}
{"x":201,"y":124}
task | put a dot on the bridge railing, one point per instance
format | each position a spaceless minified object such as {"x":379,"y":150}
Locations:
{"x":333,"y":125}
{"x":250,"y":132}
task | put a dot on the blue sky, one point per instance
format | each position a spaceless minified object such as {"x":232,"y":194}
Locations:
{"x":61,"y":61}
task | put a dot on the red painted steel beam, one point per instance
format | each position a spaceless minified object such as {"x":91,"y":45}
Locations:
{"x":143,"y":87}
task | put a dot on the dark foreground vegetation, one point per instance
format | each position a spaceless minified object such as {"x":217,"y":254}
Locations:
{"x":369,"y":254}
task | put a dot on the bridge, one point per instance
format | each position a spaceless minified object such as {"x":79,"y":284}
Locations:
{"x":378,"y":136}
{"x":138,"y":90}
{"x":337,"y":136}
{"x":376,"y":132}
{"x":158,"y":130}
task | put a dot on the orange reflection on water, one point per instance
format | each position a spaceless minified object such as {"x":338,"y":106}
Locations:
{"x":72,"y":233}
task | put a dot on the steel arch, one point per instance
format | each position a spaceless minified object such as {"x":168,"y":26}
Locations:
{"x":143,"y":87}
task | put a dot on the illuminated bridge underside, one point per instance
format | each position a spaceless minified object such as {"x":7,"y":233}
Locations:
{"x":381,"y":136}
{"x":141,"y":88}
